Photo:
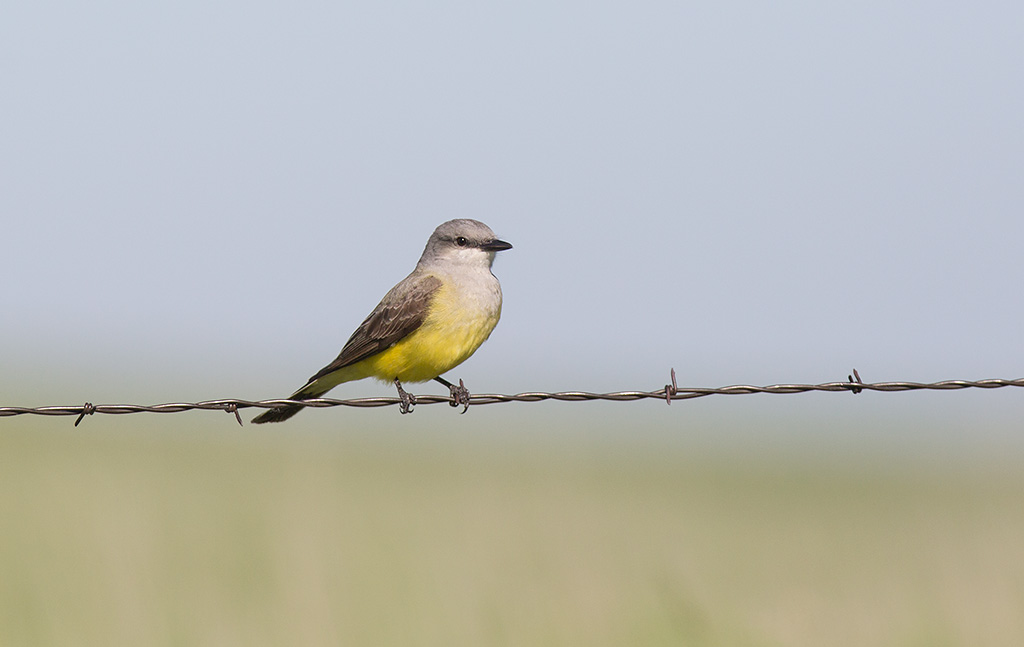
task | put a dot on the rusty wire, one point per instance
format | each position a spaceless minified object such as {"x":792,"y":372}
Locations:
{"x":669,"y":392}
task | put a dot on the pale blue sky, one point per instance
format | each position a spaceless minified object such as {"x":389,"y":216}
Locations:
{"x":204,"y":199}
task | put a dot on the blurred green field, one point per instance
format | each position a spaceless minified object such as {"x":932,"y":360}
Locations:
{"x":148,"y":533}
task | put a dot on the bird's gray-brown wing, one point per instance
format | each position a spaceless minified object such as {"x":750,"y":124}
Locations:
{"x":398,"y":314}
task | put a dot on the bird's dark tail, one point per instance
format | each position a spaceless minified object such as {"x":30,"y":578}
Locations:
{"x":280,"y":414}
{"x":277,"y":414}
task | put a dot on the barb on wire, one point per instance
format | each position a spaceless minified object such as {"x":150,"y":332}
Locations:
{"x":855,"y":379}
{"x":668,"y":393}
{"x":87,"y":410}
{"x":671,"y":389}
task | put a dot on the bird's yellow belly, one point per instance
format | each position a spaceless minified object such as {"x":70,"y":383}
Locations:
{"x":451,"y":332}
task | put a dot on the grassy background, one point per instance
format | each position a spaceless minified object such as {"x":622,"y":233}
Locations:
{"x":180,"y":530}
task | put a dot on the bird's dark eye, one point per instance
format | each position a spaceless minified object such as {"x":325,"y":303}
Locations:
{"x":461,"y":242}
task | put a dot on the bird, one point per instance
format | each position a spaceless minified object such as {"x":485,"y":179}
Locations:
{"x":429,"y":323}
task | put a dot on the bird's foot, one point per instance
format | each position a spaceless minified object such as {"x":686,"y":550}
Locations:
{"x":460,"y":394}
{"x":407,"y":399}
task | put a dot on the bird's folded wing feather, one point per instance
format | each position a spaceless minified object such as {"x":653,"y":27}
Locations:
{"x":400,"y":312}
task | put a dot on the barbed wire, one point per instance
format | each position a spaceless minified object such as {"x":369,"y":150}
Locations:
{"x":669,"y":392}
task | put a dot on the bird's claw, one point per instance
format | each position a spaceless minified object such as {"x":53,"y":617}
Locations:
{"x":407,"y":399}
{"x":460,"y":396}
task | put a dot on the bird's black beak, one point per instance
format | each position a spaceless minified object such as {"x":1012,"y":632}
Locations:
{"x":495,"y":245}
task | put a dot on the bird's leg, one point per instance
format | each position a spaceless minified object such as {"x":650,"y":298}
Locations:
{"x":460,"y":394}
{"x":407,"y":399}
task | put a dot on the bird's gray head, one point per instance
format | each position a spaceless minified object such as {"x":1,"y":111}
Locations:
{"x":463,"y":241}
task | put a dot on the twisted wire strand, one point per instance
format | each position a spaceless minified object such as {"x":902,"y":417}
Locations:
{"x":668,"y":393}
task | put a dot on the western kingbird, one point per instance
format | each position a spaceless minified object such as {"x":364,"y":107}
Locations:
{"x":428,"y":324}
